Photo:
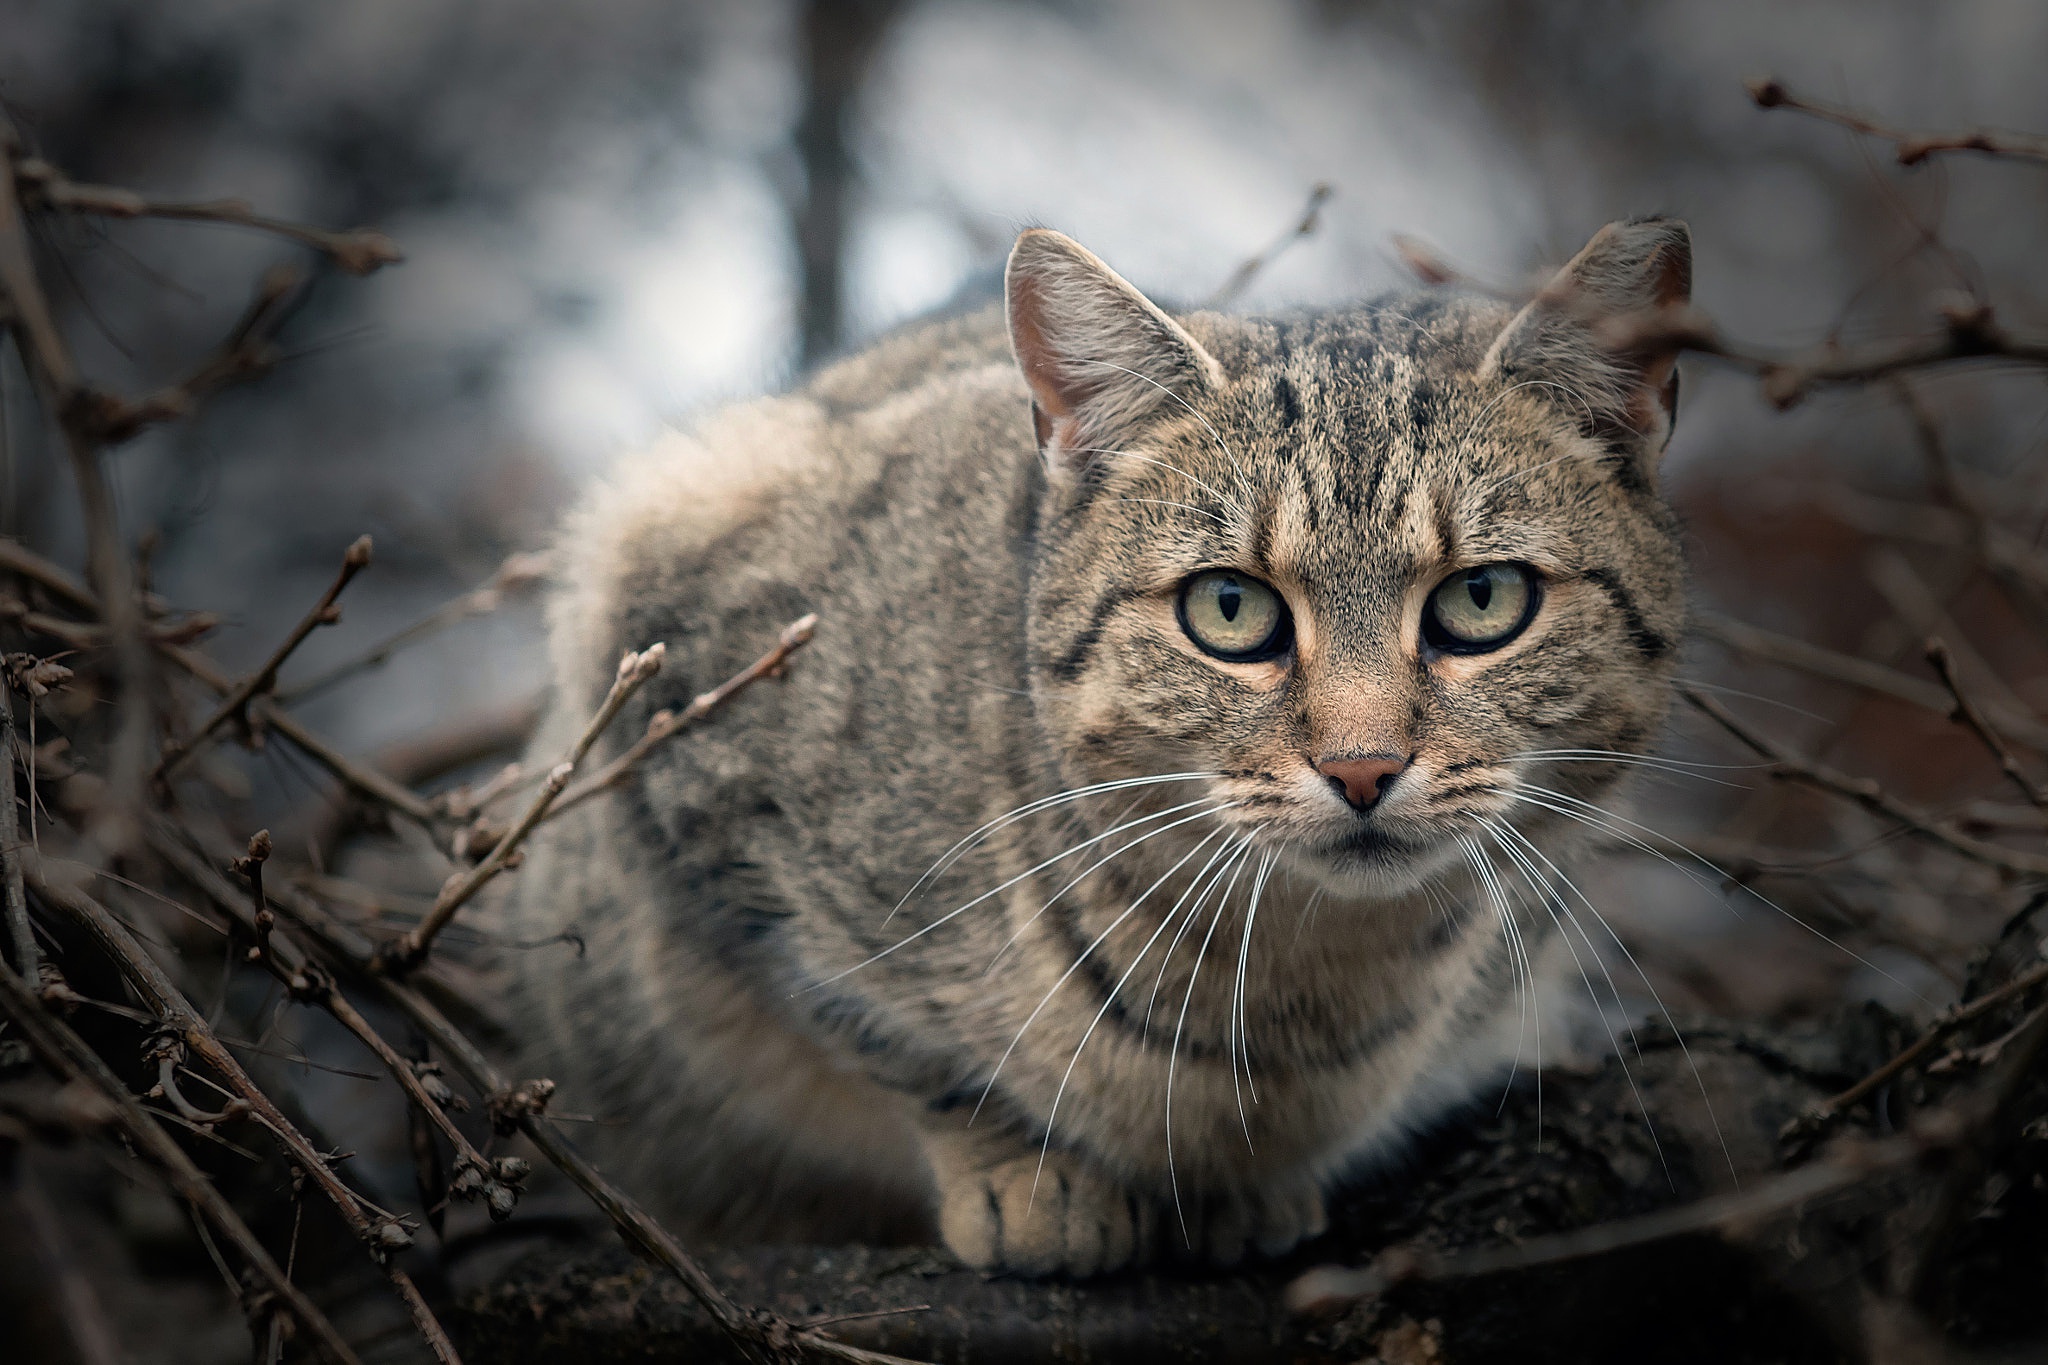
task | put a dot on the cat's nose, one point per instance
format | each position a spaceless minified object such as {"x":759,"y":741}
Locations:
{"x":1364,"y":780}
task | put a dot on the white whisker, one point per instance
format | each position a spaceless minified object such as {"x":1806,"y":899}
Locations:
{"x":1173,"y":1054}
{"x":1030,"y":808}
{"x":1608,"y":822}
{"x":1096,"y":866}
{"x":1226,"y":851}
{"x":1712,"y":1119}
{"x":1065,"y":976}
{"x":1029,"y":872}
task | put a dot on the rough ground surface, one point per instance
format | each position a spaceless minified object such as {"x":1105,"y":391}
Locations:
{"x":1798,"y":1288}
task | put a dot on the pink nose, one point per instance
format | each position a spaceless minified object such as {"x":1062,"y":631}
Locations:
{"x":1364,"y":780}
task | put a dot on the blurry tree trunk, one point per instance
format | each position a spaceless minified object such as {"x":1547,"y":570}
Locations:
{"x":836,"y":42}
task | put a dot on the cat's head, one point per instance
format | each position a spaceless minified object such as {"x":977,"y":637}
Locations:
{"x":1388,"y":573}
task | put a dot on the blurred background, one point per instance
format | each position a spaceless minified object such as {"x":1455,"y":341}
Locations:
{"x":619,"y":212}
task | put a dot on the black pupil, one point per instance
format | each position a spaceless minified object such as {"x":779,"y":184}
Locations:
{"x":1480,"y":584}
{"x":1228,"y":599}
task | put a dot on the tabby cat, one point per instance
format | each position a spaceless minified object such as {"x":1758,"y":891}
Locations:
{"x":1164,"y":820}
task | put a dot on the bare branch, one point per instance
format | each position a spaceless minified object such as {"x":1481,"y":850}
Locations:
{"x":1912,"y":148}
{"x":358,"y":251}
{"x":1810,"y":1123}
{"x":20,"y":934}
{"x":523,"y":1106}
{"x":1867,"y":794}
{"x":1967,"y":713}
{"x":410,"y":948}
{"x":380,"y":1233}
{"x":1330,"y":1289}
{"x":1854,"y":672}
{"x":1248,"y":270}
{"x":664,"y":725}
{"x":1969,"y":331}
{"x":235,"y":704}
{"x":68,"y":1057}
{"x":518,"y":572}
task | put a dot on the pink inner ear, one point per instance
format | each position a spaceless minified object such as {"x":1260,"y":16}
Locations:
{"x":1035,"y":356}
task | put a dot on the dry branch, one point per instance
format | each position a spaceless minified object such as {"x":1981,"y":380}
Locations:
{"x":411,"y":948}
{"x":1912,"y":148}
{"x":665,"y":725}
{"x":518,"y":572}
{"x":358,"y":251}
{"x":1329,"y":1289}
{"x":522,"y":1108}
{"x":234,"y":706}
{"x":1868,"y":794}
{"x":66,"y":1055}
{"x":380,"y":1232}
{"x":1305,"y":225}
{"x":1968,"y":713}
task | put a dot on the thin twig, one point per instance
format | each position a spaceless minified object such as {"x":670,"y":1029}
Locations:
{"x":410,"y":948}
{"x":20,"y":933}
{"x":1310,"y":219}
{"x":358,"y":251}
{"x":380,"y":1233}
{"x":235,"y":704}
{"x":1866,"y":674}
{"x":523,"y":1106}
{"x":1968,"y":713}
{"x":1967,"y":332}
{"x":518,"y":572}
{"x":1867,"y":793}
{"x":72,"y":406}
{"x":67,"y":1056}
{"x":1330,"y":1288}
{"x":1948,"y":1023}
{"x":664,"y":725}
{"x":1912,"y":148}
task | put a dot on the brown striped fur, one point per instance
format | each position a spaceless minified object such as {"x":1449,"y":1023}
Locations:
{"x":992,"y":522}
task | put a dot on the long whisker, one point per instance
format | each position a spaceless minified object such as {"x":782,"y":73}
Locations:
{"x":1096,"y":866}
{"x":1195,"y":913}
{"x":1540,"y":887}
{"x":1226,"y":851}
{"x":1611,"y":826}
{"x":1065,"y":976}
{"x":1512,"y":929}
{"x":1522,"y":991}
{"x":1244,"y":1042}
{"x":1233,"y":1020}
{"x":1030,"y":808}
{"x":1173,"y":1053}
{"x":1648,"y":985}
{"x":1029,"y":872}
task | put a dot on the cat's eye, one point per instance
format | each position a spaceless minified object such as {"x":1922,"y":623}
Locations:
{"x":1234,"y":616}
{"x":1478,"y":609}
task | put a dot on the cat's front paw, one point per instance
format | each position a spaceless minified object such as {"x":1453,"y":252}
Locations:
{"x":1055,"y":1218}
{"x":1226,"y":1230}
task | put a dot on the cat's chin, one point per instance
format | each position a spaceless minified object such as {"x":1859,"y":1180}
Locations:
{"x":1368,"y":864}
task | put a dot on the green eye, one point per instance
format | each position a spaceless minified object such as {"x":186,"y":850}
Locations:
{"x":1234,"y":616}
{"x":1480,"y":609}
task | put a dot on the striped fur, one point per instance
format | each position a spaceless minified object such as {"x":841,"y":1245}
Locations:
{"x":994,"y":544}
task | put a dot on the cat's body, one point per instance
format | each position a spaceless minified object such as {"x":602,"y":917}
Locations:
{"x":798,"y":1037}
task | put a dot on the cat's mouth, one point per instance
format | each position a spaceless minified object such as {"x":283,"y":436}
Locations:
{"x":1369,"y":859}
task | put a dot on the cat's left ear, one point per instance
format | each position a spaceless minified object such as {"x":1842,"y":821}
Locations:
{"x":1572,"y":334}
{"x":1100,"y":358}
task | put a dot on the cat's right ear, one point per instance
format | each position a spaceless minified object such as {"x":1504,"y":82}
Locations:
{"x":1100,"y":358}
{"x":1565,"y":337}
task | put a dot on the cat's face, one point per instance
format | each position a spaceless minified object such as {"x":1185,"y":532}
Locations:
{"x":1387,"y":575}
